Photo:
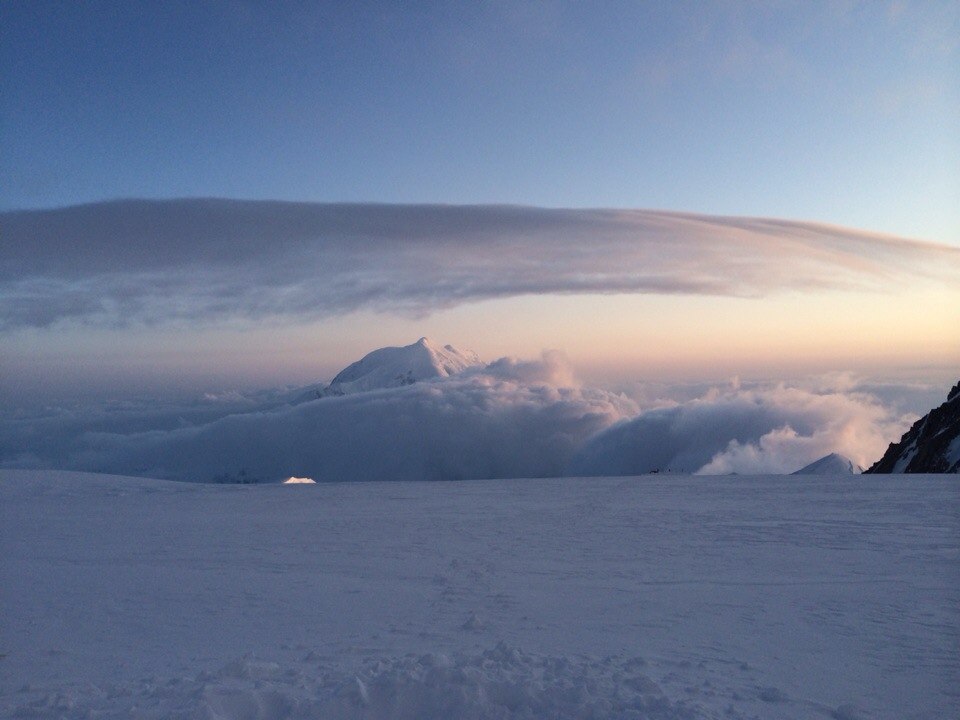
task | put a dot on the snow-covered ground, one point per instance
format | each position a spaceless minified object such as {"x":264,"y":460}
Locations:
{"x":660,"y":597}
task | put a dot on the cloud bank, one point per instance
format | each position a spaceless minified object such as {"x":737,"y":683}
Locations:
{"x":207,"y":260}
{"x":512,"y":421}
{"x":764,"y":430}
{"x":509,"y":419}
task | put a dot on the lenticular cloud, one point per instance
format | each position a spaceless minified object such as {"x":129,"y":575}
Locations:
{"x":206,"y":260}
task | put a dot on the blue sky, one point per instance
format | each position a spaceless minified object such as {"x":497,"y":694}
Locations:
{"x":840,"y":112}
{"x":844,"y":113}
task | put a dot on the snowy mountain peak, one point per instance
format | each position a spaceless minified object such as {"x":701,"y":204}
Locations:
{"x":395,"y":367}
{"x":832,"y":464}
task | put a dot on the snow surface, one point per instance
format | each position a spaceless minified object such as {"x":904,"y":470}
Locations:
{"x":832,"y":464}
{"x":659,"y":597}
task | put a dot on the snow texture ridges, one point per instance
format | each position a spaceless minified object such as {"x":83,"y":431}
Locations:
{"x":128,"y":597}
{"x":501,"y":682}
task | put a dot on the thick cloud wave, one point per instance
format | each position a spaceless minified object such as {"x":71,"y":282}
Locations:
{"x":483,"y":425}
{"x":509,"y":419}
{"x":512,"y":419}
{"x":157,"y":261}
{"x":772,"y":430}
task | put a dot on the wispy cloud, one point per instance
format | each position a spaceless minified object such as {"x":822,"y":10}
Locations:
{"x":206,"y":260}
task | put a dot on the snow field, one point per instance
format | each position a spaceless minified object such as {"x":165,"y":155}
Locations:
{"x":652,"y":597}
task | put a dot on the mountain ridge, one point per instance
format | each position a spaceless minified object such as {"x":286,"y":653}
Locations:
{"x":931,"y":445}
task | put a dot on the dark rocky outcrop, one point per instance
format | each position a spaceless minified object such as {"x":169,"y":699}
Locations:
{"x":932,"y":445}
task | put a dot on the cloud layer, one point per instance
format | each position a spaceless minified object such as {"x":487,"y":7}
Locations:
{"x":509,"y":422}
{"x":510,"y":419}
{"x":756,"y":431}
{"x":206,"y":260}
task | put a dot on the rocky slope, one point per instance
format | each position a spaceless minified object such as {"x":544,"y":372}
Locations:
{"x":932,"y":445}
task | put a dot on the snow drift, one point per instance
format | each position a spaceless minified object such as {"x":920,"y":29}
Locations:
{"x":499,"y":683}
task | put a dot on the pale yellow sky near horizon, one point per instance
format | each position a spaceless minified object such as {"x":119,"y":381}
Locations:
{"x":606,"y":337}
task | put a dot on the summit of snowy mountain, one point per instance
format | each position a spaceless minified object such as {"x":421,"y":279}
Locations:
{"x":832,"y":464}
{"x":932,"y":445}
{"x":391,"y":367}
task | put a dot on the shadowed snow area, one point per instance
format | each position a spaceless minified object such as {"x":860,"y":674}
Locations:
{"x":651,"y":597}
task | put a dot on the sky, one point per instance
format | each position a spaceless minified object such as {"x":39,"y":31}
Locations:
{"x":777,"y":184}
